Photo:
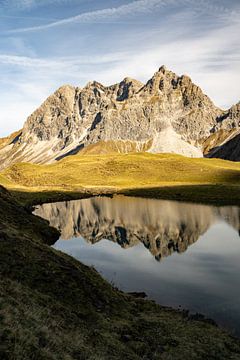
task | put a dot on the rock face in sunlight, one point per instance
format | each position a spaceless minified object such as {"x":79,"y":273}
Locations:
{"x":167,"y":114}
{"x":161,"y":226}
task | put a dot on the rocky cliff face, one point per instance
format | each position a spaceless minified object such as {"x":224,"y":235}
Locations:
{"x":230,"y":119}
{"x":167,"y":114}
{"x":225,"y":142}
{"x":161,"y":226}
{"x":229,"y":149}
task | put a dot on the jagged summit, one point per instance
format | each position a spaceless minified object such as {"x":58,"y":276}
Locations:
{"x":94,"y":84}
{"x":167,"y":114}
{"x":162,"y":69}
{"x":128,"y":80}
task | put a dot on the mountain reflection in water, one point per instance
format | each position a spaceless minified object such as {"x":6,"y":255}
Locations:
{"x":204,"y":279}
{"x":163,"y":227}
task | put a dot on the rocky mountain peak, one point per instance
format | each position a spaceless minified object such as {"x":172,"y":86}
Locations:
{"x":229,"y":120}
{"x":94,"y":84}
{"x":65,"y":91}
{"x":162,"y":81}
{"x":52,"y":116}
{"x":127,"y":88}
{"x":128,"y":80}
{"x":162,"y":69}
{"x":165,"y":82}
{"x":234,"y":111}
{"x":167,"y":114}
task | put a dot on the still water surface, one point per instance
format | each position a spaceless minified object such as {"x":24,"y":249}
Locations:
{"x":180,"y":254}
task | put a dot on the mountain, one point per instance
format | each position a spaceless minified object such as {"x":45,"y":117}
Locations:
{"x":167,"y":114}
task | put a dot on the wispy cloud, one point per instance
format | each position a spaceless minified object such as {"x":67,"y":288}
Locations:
{"x":29,"y":4}
{"x":27,"y":17}
{"x":60,"y":62}
{"x":133,"y":8}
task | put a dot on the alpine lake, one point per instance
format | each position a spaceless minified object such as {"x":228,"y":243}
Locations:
{"x":181,"y":255}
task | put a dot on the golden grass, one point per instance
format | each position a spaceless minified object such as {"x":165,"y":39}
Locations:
{"x":122,"y":171}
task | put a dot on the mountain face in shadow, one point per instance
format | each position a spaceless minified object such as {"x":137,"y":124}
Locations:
{"x":228,"y":150}
{"x":163,"y":227}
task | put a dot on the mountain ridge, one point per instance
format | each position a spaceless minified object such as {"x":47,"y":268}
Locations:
{"x":167,"y":114}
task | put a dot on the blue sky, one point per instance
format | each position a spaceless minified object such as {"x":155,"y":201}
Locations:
{"x":47,"y":43}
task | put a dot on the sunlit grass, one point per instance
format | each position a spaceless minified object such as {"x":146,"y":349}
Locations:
{"x":122,"y":171}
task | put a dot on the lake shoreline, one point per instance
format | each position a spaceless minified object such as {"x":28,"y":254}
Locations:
{"x":56,"y":294}
{"x":207,"y":194}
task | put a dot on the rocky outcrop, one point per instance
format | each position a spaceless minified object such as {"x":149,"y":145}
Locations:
{"x":161,"y":226}
{"x":230,"y":119}
{"x":224,"y":143}
{"x":217,"y":139}
{"x":167,"y":114}
{"x":229,"y":150}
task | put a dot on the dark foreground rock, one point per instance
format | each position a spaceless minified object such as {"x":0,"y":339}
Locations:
{"x":54,"y":307}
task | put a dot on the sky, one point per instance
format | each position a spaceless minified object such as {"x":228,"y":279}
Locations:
{"x":47,"y":43}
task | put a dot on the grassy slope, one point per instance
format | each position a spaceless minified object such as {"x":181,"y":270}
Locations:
{"x":53,"y":307}
{"x":17,"y":221}
{"x":161,"y":175}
